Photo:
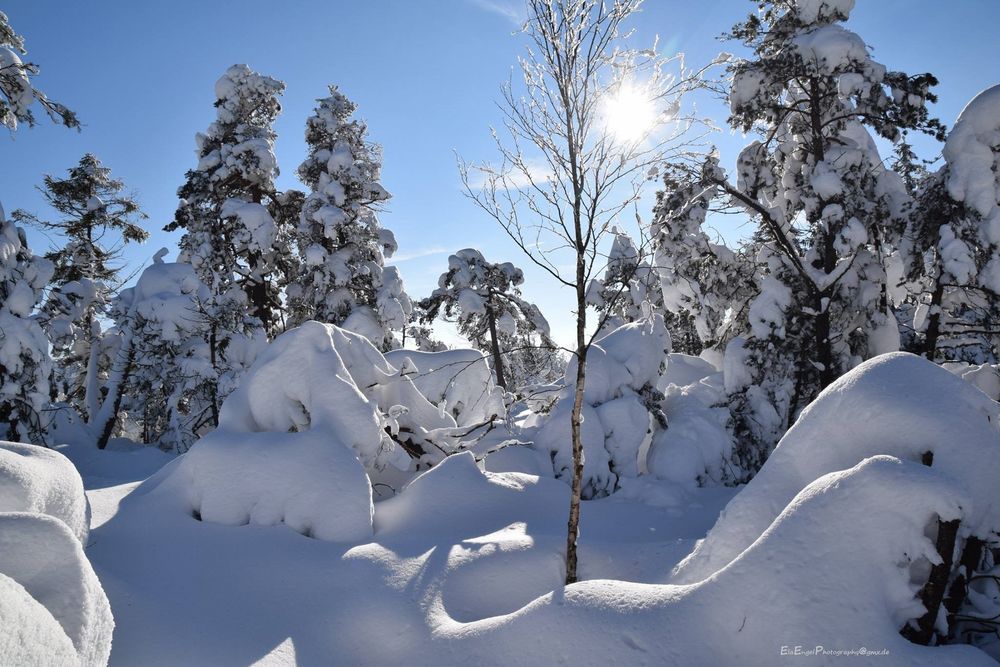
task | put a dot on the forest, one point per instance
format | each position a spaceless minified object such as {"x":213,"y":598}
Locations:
{"x":260,"y":448}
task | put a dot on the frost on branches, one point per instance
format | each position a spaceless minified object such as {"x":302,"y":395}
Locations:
{"x":485,"y":300}
{"x":953,"y":249}
{"x":825,"y":206}
{"x":25,"y":364}
{"x":17,"y":94}
{"x":342,"y":277}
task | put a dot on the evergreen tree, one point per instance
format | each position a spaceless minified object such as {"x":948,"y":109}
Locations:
{"x":485,"y":301}
{"x":824,"y":204}
{"x":236,"y":227}
{"x":96,"y":217}
{"x":17,"y":94}
{"x":628,"y":287}
{"x":343,"y":279}
{"x":25,"y":364}
{"x":952,"y":246}
{"x":700,"y":280}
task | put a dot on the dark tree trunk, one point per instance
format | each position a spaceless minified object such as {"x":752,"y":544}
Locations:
{"x":934,"y":322}
{"x":495,"y":346}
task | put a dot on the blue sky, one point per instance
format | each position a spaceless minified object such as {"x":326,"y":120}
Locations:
{"x":426,"y":77}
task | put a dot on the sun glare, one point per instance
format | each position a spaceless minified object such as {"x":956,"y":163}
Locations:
{"x":628,"y":114}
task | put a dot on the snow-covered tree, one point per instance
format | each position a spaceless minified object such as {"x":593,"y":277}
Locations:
{"x":167,"y":399}
{"x":824,"y":204}
{"x":699,"y":280}
{"x":17,"y":94}
{"x":229,"y":202}
{"x":343,"y":279}
{"x":25,"y":364}
{"x":96,"y":217}
{"x":237,"y":227}
{"x":484,"y":299}
{"x":953,"y":242}
{"x":628,"y":283}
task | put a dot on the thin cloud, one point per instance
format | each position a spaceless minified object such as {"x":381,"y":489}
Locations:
{"x":417,"y":254}
{"x":512,"y":11}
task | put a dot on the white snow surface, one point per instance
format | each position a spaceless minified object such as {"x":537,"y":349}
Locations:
{"x":30,"y":635}
{"x":41,"y":554}
{"x":36,"y":479}
{"x":896,"y":404}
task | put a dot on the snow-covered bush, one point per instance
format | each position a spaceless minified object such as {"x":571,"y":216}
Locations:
{"x":621,"y":410}
{"x":896,"y":404}
{"x":41,"y":554}
{"x":319,"y":407}
{"x":36,"y":479}
{"x":458,"y":380}
{"x":342,"y":275}
{"x":25,"y":364}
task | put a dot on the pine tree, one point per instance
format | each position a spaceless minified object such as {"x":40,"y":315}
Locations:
{"x":700,"y":280}
{"x":97,"y":218}
{"x":236,"y":228}
{"x":952,"y":247}
{"x":628,"y":287}
{"x":485,"y":301}
{"x":824,"y":204}
{"x":343,"y":279}
{"x":25,"y":364}
{"x":17,"y":94}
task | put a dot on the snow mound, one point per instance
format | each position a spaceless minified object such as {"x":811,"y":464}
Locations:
{"x":41,"y":554}
{"x":29,"y":635}
{"x":867,"y":523}
{"x":319,"y":376}
{"x":896,"y":404}
{"x":36,"y":479}
{"x":457,"y":498}
{"x":308,"y":481}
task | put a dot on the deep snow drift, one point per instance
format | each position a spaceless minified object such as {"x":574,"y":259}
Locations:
{"x":465,"y":566}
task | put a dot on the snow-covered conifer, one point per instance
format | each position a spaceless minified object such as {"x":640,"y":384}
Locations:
{"x":485,"y":300}
{"x":825,"y":205}
{"x":953,"y":242}
{"x":96,"y":217}
{"x":25,"y":364}
{"x":17,"y":94}
{"x":699,"y":279}
{"x":343,"y":279}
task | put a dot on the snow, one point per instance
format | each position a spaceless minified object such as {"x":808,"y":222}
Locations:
{"x":255,"y":218}
{"x":40,"y":480}
{"x":831,"y":48}
{"x":31,"y":636}
{"x":896,"y":404}
{"x":41,"y":554}
{"x":971,"y":151}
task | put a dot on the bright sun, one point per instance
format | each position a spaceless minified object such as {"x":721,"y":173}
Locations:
{"x":628,"y":114}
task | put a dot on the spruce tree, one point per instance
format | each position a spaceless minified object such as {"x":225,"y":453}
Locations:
{"x":343,"y":279}
{"x":97,"y":218}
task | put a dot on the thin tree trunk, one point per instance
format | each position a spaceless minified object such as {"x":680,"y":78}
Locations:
{"x":576,"y":420}
{"x":495,"y":344}
{"x":104,"y":423}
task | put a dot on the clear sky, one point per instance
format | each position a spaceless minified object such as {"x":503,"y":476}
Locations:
{"x":426,"y":77}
